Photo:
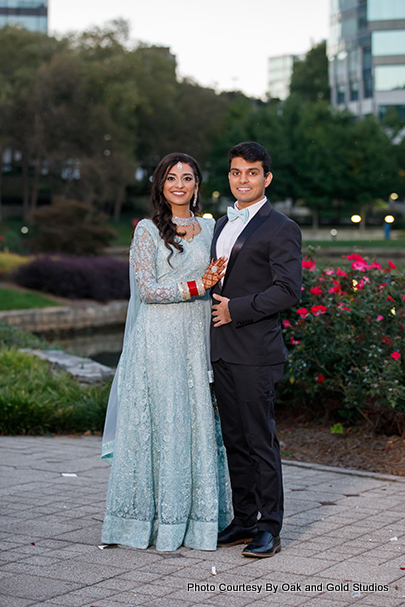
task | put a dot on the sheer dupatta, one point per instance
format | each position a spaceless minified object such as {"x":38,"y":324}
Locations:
{"x":107,"y":448}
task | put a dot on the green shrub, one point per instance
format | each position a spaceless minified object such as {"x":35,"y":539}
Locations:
{"x":34,"y":400}
{"x":10,"y":262}
{"x":14,"y":337}
{"x":346,"y":339}
{"x":11,"y":237}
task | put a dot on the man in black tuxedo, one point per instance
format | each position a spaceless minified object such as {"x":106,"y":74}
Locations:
{"x":263,"y":277}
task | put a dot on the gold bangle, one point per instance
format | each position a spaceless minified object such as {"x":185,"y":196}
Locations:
{"x":200,"y":287}
{"x":184,"y":290}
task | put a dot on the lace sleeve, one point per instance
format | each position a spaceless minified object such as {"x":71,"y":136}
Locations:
{"x":142,"y":258}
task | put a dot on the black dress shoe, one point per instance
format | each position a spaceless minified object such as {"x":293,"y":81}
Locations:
{"x":235,"y":534}
{"x":264,"y":544}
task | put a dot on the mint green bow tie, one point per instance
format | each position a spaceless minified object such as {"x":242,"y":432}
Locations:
{"x":234,"y":214}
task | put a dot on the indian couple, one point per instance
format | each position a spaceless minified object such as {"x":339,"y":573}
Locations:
{"x":205,"y":299}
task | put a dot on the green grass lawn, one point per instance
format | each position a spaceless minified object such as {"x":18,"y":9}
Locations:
{"x":11,"y":299}
{"x":124,"y":231}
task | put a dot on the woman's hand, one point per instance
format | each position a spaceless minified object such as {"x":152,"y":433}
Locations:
{"x":214,"y":272}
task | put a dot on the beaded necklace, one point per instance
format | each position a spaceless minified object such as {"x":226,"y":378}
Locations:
{"x":184,"y":222}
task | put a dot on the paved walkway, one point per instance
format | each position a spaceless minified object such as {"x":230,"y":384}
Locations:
{"x":343,"y":541}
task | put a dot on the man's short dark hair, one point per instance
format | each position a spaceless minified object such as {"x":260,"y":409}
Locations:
{"x":251,"y":152}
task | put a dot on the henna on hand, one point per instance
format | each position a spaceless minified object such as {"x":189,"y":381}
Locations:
{"x":211,"y":277}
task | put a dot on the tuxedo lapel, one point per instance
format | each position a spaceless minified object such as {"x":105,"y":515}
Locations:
{"x":261,"y":216}
{"x":221,"y":223}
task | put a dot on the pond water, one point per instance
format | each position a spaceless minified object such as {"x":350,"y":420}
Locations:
{"x":102,"y":344}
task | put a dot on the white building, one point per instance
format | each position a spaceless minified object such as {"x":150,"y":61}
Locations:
{"x":279,"y":73}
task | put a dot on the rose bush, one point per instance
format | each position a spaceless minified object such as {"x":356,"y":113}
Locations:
{"x":346,"y":341}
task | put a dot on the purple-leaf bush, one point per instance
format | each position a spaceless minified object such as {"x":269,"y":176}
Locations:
{"x":98,"y":278}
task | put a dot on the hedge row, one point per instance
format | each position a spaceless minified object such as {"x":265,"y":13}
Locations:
{"x":98,"y":278}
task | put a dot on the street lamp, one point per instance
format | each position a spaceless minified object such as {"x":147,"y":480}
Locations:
{"x":391,"y":201}
{"x":388,"y":220}
{"x":355,"y":218}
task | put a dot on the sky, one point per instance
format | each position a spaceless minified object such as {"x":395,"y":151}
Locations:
{"x":223,"y":44}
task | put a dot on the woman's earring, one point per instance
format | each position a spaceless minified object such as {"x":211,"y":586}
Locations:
{"x":195,"y":199}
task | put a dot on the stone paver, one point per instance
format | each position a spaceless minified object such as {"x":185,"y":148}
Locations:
{"x":86,"y":370}
{"x":343,"y":540}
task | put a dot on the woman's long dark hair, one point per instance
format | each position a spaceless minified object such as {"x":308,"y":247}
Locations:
{"x":162,"y":213}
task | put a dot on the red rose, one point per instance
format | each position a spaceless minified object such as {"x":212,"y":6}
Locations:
{"x":320,"y":309}
{"x":308,"y":264}
{"x":303,"y":312}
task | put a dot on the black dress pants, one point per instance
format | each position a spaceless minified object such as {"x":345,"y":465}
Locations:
{"x":246,"y":396}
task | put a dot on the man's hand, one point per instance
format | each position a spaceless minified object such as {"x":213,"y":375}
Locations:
{"x":220,"y":311}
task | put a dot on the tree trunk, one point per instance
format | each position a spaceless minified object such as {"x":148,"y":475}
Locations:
{"x":1,"y":183}
{"x":315,"y":221}
{"x":25,"y":186}
{"x":35,"y":185}
{"x":118,"y":204}
{"x":363,"y":214}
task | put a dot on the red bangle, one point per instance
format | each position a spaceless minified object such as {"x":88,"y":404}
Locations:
{"x":192,"y":287}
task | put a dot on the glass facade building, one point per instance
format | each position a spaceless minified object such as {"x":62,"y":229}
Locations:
{"x":279,"y":75}
{"x":366,"y":53}
{"x":31,"y":14}
{"x":386,"y":10}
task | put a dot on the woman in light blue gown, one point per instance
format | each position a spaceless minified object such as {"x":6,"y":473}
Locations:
{"x":169,"y":481}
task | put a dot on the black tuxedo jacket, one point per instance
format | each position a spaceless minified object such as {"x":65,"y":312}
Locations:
{"x":263,"y":277}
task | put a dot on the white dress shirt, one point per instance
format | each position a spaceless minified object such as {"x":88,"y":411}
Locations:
{"x":232,"y":229}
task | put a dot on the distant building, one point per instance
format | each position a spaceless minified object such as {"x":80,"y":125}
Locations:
{"x":366,"y":53}
{"x":279,"y":73}
{"x":31,"y":14}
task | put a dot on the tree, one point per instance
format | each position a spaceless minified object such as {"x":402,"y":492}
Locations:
{"x":70,"y":226}
{"x":393,"y":123}
{"x":197,"y":119}
{"x":59,"y":107}
{"x":319,"y":143}
{"x":310,"y":76}
{"x":246,"y":120}
{"x":91,"y":108}
{"x":21,"y":55}
{"x":338,"y":159}
{"x":399,"y":151}
{"x":80,"y":129}
{"x":373,"y":170}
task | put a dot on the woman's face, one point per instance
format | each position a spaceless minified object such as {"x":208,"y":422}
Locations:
{"x":179,"y":186}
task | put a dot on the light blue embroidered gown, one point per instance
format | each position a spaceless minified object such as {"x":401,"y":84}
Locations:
{"x":169,"y":483}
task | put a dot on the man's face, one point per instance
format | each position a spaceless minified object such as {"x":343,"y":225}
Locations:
{"x":248,"y":181}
